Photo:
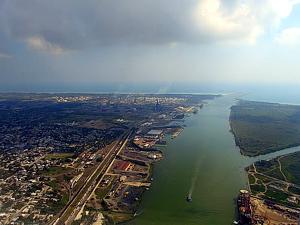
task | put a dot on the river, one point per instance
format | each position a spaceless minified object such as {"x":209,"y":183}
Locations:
{"x":202,"y":159}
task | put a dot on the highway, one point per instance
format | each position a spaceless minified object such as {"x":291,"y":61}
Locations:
{"x":71,"y":210}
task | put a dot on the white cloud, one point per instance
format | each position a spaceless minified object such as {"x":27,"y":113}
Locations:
{"x":282,"y":8}
{"x":39,"y":43}
{"x":244,"y":21}
{"x":289,"y":36}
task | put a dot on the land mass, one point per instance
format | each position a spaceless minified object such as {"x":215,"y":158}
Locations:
{"x":260,"y":128}
{"x":83,"y":158}
{"x":281,"y":174}
{"x":275,"y":189}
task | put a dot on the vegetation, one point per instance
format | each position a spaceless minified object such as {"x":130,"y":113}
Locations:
{"x":64,"y":199}
{"x":257,"y":188}
{"x":261,"y":128}
{"x":276,"y":195}
{"x":291,"y":167}
{"x":59,"y":156}
{"x":56,"y":207}
{"x":274,"y":184}
{"x":269,"y":168}
{"x":53,"y":184}
{"x":54,"y":171}
{"x":102,"y":192}
{"x":251,"y":179}
{"x":115,"y":217}
{"x":294,"y":190}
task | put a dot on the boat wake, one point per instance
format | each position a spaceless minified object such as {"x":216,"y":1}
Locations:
{"x":194,"y":180}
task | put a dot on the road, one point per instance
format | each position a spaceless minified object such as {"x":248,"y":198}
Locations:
{"x":280,"y":168}
{"x":70,"y":211}
{"x":273,"y":178}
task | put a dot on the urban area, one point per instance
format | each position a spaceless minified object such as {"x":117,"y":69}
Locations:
{"x":81,"y":158}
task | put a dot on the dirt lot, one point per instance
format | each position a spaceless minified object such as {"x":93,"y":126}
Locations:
{"x":271,"y":216}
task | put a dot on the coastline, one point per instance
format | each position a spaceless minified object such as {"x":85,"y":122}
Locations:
{"x":188,"y":161}
{"x":257,"y":142}
{"x":265,"y":194}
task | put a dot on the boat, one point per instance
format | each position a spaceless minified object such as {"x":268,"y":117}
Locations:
{"x":189,"y":198}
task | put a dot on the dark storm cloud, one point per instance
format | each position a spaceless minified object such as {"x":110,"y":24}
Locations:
{"x":57,"y":25}
{"x":75,"y":24}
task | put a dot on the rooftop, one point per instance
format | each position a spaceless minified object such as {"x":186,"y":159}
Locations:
{"x":155,"y":132}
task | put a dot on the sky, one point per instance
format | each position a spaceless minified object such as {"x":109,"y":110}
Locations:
{"x":75,"y":43}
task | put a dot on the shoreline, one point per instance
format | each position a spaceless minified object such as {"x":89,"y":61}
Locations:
{"x":157,"y":147}
{"x":247,"y":152}
{"x":267,"y":200}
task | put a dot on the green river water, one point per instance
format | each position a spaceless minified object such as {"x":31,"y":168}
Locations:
{"x":203,"y":158}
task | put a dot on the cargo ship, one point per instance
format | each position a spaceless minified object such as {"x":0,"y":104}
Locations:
{"x":244,"y":208}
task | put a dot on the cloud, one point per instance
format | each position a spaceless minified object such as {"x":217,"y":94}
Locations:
{"x":289,"y":36}
{"x":39,"y":43}
{"x":5,"y":56}
{"x":243,"y":21}
{"x":59,"y":25}
{"x":76,"y":24}
{"x":237,"y":23}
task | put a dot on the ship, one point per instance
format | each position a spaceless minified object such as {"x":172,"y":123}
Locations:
{"x":244,"y":207}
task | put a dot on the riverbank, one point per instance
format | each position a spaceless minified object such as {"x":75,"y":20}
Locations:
{"x":261,"y":128}
{"x":205,"y":148}
{"x":204,"y":156}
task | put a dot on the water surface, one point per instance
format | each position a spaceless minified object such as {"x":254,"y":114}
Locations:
{"x":203,"y":158}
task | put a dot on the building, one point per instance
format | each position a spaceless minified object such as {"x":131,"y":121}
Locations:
{"x":154,"y":134}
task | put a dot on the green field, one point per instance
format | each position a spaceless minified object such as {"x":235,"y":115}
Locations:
{"x":276,"y":195}
{"x":55,"y":171}
{"x":268,"y":182}
{"x":53,"y":156}
{"x":291,"y":167}
{"x":261,"y":128}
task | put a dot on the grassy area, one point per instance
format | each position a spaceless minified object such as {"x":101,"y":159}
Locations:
{"x":269,"y":168}
{"x":64,"y":199}
{"x":276,"y":195}
{"x":257,"y":188}
{"x":260,"y":128}
{"x":262,"y":178}
{"x":54,"y":171}
{"x":102,"y":192}
{"x":53,"y":184}
{"x":290,"y":165}
{"x":251,"y":179}
{"x":276,"y":191}
{"x":53,"y":156}
{"x":116,"y":218}
{"x":294,"y":190}
{"x":56,"y":207}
